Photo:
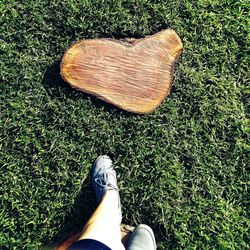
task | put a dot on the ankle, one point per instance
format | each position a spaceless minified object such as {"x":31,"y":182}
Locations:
{"x":111,"y":197}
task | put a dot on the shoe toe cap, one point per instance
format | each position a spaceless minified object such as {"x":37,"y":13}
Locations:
{"x":102,"y":161}
{"x":142,"y":238}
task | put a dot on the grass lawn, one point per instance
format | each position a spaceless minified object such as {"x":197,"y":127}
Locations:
{"x":182,"y":169}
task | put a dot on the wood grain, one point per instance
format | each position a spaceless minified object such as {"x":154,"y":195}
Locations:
{"x":135,"y":75}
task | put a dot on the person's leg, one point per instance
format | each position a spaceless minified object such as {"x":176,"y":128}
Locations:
{"x":104,"y":224}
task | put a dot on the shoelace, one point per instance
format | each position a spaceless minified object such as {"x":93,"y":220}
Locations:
{"x":103,"y":182}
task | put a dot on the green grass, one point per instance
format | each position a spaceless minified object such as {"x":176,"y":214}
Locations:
{"x":182,"y":169}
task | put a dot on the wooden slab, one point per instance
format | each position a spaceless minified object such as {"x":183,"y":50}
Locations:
{"x":135,"y":75}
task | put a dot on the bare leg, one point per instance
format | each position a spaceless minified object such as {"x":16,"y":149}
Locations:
{"x":104,"y":224}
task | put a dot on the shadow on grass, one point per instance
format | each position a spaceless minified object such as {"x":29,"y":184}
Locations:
{"x":84,"y":205}
{"x":77,"y":215}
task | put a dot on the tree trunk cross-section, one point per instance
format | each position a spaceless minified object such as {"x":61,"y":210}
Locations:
{"x":134,"y":75}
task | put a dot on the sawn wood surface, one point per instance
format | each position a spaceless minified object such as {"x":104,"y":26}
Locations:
{"x":135,"y":75}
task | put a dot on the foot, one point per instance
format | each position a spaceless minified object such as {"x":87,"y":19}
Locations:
{"x":104,"y":178}
{"x":142,"y":239}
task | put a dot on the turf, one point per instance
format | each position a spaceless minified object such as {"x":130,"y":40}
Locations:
{"x":182,"y":169}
